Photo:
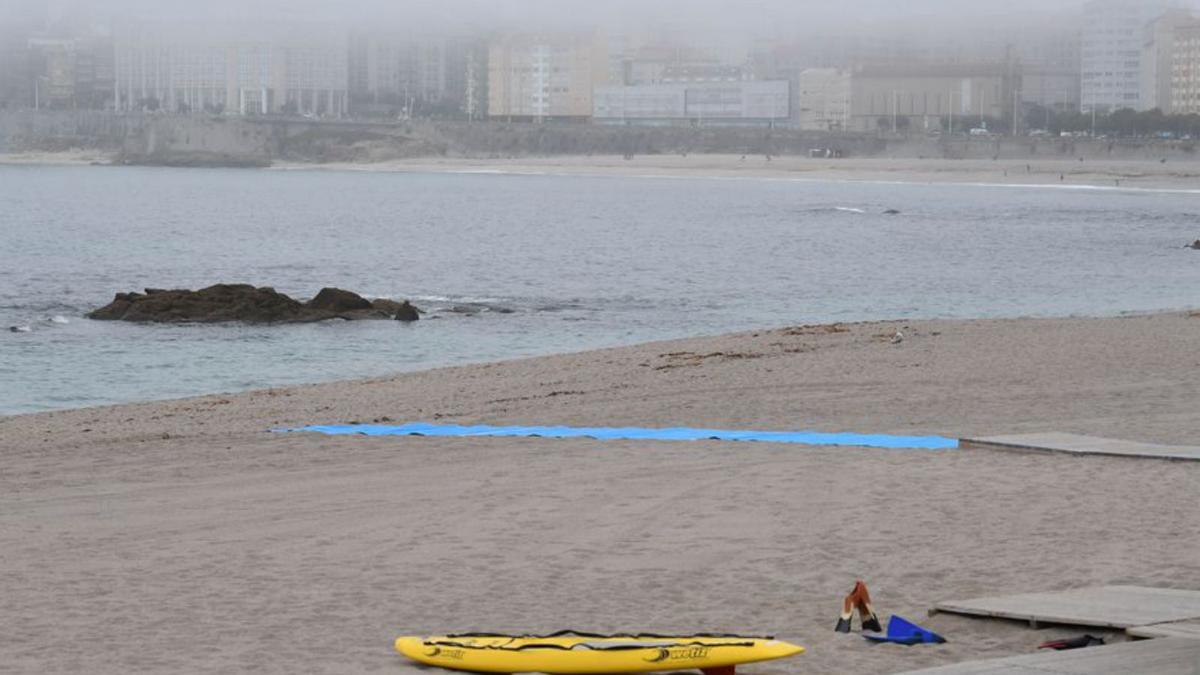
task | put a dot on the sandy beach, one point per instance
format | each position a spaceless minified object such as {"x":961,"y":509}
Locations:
{"x":1066,"y":173}
{"x":183,"y":536}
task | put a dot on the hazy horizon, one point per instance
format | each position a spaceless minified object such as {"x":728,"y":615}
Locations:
{"x":761,"y":17}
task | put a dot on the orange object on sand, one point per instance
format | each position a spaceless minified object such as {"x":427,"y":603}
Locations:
{"x":860,"y":599}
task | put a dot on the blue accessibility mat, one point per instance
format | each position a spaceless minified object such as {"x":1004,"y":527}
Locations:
{"x":640,"y":434}
{"x":904,"y":632}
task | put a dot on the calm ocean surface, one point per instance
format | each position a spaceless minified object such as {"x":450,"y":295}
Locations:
{"x":581,"y":261}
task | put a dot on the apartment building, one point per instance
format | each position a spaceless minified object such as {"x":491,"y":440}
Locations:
{"x":545,"y":76}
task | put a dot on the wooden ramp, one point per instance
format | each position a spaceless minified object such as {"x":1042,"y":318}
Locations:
{"x":1082,"y":445}
{"x":1169,"y":656}
{"x":1182,"y":629}
{"x":1103,"y":606}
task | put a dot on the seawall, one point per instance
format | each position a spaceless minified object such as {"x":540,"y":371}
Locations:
{"x":215,"y":140}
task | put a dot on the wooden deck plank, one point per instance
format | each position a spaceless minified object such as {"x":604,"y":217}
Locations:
{"x":1169,"y":656}
{"x":1103,"y":606}
{"x":1182,"y":629}
{"x":1082,"y":445}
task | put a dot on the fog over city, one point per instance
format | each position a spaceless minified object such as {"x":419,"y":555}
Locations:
{"x":507,"y":14}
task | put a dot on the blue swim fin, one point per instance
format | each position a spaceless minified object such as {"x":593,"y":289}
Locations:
{"x":904,"y":632}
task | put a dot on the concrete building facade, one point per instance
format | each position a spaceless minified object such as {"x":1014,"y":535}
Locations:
{"x":1158,"y":58}
{"x":1050,"y":68}
{"x":1111,"y":50}
{"x":1185,"y":68}
{"x":754,"y":103}
{"x":545,"y":76}
{"x":822,"y":99}
{"x":417,"y":75}
{"x":918,"y":98}
{"x":14,"y":68}
{"x":397,"y":68}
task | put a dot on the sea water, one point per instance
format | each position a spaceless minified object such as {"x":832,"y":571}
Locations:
{"x":514,"y":265}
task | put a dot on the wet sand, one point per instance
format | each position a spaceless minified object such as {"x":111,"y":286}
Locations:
{"x":182,"y":536}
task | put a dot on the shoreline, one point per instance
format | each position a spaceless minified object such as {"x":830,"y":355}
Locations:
{"x":1110,"y":175}
{"x":187,"y":523}
{"x":1175,"y":176}
{"x":1191,"y":312}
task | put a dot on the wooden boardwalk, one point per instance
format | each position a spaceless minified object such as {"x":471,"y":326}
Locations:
{"x":1183,"y":629}
{"x":1169,"y":656}
{"x":1103,"y":606}
{"x":1082,"y":445}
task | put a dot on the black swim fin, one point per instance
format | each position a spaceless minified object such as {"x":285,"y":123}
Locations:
{"x":871,"y":623}
{"x":1072,"y":643}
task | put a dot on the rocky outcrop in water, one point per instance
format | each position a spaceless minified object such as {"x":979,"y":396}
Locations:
{"x":406,"y":312}
{"x":338,"y":300}
{"x":248,"y":304}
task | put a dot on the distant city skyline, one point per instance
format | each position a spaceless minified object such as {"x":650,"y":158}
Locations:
{"x":877,"y":68}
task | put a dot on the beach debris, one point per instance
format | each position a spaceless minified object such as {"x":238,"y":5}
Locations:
{"x":859,"y":599}
{"x":683,"y":359}
{"x":1072,"y":643}
{"x":245,"y":303}
{"x":901,"y":631}
{"x":819,"y":329}
{"x":897,"y":338}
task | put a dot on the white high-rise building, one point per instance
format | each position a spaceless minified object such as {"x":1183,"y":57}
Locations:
{"x":230,"y":68}
{"x":1111,"y":52}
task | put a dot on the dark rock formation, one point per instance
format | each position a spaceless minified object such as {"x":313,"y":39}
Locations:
{"x":242,"y":302}
{"x":338,"y":300}
{"x":223,"y":302}
{"x":406,"y":312}
{"x":400,"y":311}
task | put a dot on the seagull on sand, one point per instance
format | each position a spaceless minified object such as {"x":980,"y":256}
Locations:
{"x":897,"y":338}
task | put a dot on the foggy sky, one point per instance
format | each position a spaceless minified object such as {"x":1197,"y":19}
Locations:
{"x":751,"y":15}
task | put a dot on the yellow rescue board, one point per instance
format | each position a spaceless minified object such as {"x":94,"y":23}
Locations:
{"x":583,"y":653}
